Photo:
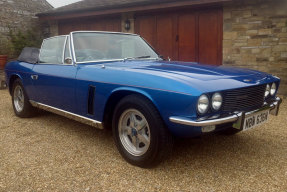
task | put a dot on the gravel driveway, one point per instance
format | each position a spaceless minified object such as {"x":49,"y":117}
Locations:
{"x":52,"y":153}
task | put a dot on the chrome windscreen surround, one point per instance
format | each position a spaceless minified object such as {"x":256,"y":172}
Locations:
{"x":235,"y":118}
{"x":67,"y":114}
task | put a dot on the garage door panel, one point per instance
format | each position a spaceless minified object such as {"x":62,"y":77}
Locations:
{"x":146,"y":27}
{"x":208,"y":37}
{"x":164,"y":36}
{"x":186,"y":37}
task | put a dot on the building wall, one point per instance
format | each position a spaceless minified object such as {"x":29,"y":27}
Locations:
{"x":255,"y":36}
{"x":20,"y":14}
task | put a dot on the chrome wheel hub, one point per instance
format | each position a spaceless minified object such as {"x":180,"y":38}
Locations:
{"x":18,"y":98}
{"x":134,"y":132}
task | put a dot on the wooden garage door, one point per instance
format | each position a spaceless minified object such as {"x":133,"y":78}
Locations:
{"x":94,"y":24}
{"x":185,"y":36}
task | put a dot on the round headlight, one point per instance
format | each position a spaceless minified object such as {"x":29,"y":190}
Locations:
{"x":267,"y":90}
{"x":203,"y":103}
{"x":273,"y":89}
{"x":216,"y":101}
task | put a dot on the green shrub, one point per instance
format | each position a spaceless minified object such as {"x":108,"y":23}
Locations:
{"x":21,"y":39}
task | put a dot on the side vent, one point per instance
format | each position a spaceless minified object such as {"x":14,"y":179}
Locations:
{"x":91,"y":100}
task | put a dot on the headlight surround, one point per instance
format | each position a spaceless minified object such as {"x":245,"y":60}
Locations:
{"x":216,"y":101}
{"x":273,"y":89}
{"x":203,"y":104}
{"x":267,"y":90}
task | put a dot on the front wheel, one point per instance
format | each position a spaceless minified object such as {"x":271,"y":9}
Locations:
{"x":20,"y":101}
{"x":139,"y":132}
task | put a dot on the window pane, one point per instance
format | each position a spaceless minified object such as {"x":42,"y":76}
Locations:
{"x":52,"y":50}
{"x":91,"y":46}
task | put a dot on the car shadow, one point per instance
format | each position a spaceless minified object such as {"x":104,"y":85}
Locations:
{"x":203,"y":152}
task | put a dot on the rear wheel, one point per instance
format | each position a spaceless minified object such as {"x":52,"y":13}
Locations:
{"x":139,"y":132}
{"x":20,"y":102}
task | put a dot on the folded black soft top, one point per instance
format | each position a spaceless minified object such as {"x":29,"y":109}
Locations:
{"x":29,"y":55}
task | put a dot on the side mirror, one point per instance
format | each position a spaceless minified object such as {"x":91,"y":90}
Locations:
{"x":68,"y":61}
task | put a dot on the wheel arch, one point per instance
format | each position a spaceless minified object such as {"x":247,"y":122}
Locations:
{"x":12,"y":79}
{"x":116,"y":96}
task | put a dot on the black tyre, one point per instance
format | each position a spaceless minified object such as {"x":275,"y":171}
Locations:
{"x":20,"y":101}
{"x":139,"y":132}
{"x":229,"y":131}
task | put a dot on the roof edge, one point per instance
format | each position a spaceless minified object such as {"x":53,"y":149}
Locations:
{"x":105,"y":10}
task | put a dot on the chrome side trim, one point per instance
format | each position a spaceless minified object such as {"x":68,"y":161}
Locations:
{"x":235,"y":118}
{"x":67,"y":114}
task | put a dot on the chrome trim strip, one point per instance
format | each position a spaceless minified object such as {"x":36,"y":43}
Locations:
{"x":104,"y":32}
{"x":187,"y":121}
{"x":230,"y":119}
{"x":107,"y":32}
{"x":63,"y":54}
{"x":112,"y":60}
{"x":73,"y":48}
{"x":67,"y":114}
{"x":100,"y":61}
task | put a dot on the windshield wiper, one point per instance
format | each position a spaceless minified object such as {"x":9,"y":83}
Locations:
{"x":132,"y":58}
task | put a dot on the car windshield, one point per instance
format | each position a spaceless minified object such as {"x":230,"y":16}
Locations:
{"x":95,"y":46}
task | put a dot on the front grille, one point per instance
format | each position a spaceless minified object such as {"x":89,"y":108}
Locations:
{"x":244,"y":99}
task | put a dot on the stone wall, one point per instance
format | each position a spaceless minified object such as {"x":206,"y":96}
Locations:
{"x":20,"y":15}
{"x":255,"y":36}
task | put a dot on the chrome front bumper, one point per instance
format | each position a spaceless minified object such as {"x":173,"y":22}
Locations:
{"x":236,"y":118}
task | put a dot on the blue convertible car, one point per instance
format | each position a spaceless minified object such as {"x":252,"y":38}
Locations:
{"x":117,"y":81}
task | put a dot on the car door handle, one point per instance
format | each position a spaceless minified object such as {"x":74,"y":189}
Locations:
{"x":34,"y":77}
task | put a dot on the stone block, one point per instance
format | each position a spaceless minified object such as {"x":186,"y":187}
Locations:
{"x":254,"y":42}
{"x":260,"y":36}
{"x":262,"y":59}
{"x":256,"y":50}
{"x":247,"y":13}
{"x":266,"y":51}
{"x":237,"y":13}
{"x":284,"y":54}
{"x":252,"y":32}
{"x":280,"y":48}
{"x":282,"y":35}
{"x":239,"y":27}
{"x":275,"y":54}
{"x":277,"y":30}
{"x":226,"y":14}
{"x":283,"y":41}
{"x":269,"y":43}
{"x":281,"y":25}
{"x":227,"y":43}
{"x":229,"y":35}
{"x":265,"y":31}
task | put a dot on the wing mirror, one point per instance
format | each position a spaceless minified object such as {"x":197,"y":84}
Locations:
{"x":68,"y":60}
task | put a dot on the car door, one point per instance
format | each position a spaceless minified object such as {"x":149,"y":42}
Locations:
{"x":54,"y":79}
